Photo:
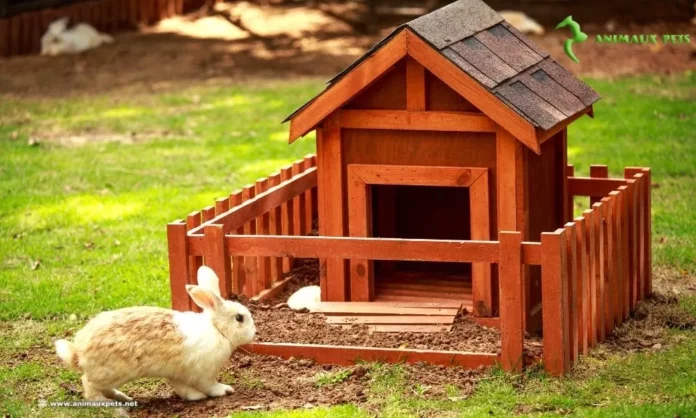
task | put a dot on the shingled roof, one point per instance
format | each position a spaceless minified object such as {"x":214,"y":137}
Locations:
{"x":479,"y":42}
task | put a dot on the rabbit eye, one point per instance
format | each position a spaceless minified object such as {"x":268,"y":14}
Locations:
{"x":239,"y":318}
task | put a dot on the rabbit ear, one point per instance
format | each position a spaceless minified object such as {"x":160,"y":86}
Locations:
{"x":207,"y":279}
{"x":204,"y":297}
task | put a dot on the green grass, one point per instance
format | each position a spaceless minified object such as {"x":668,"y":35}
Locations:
{"x":83,"y":228}
{"x":332,"y":378}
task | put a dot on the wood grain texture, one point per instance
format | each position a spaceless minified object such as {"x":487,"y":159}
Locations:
{"x":343,"y":309}
{"x":511,"y":301}
{"x":598,"y":171}
{"x":362,"y":285}
{"x":412,"y":175}
{"x":416,"y":120}
{"x":554,"y":288}
{"x":390,"y":319}
{"x":251,"y":268}
{"x":345,"y":306}
{"x":415,"y":86}
{"x":590,"y":248}
{"x":572,"y":265}
{"x":479,"y":218}
{"x":570,"y":198}
{"x":593,"y":187}
{"x":217,"y":257}
{"x":195,"y":262}
{"x":275,"y":221}
{"x":178,"y":264}
{"x":343,"y":90}
{"x":582,"y":296}
{"x":263,"y":227}
{"x":309,"y":162}
{"x":598,"y":209}
{"x":238,"y":275}
{"x":322,"y":210}
{"x":347,"y":355}
{"x":299,"y":203}
{"x":287,"y":214}
{"x":608,"y":257}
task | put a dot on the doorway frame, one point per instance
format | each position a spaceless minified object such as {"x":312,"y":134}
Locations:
{"x":361,"y":176}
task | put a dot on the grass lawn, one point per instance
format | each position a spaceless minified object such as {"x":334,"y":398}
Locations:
{"x":83,"y":214}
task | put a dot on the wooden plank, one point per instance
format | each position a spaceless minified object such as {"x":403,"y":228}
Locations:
{"x":561,"y":180}
{"x":488,"y":322}
{"x":511,"y":301}
{"x":479,"y":208}
{"x":365,"y":248}
{"x":415,"y":86}
{"x":590,"y":245}
{"x":586,"y":186}
{"x":582,"y":286}
{"x":362,"y":285}
{"x":347,"y":356}
{"x":332,"y":176}
{"x":263,"y":227}
{"x":309,"y":162}
{"x":633,"y":243}
{"x":274,"y":290}
{"x":617,"y":247}
{"x":413,"y":175}
{"x":287,"y":215}
{"x":570,"y":202}
{"x":608,"y":257}
{"x":410,"y":328}
{"x":625,"y":260}
{"x":362,"y":309}
{"x":348,"y":87}
{"x":445,"y":121}
{"x":433,"y":292}
{"x":413,"y":304}
{"x":299,"y":203}
{"x":178,"y":264}
{"x":273,"y":197}
{"x":238,"y":277}
{"x":598,"y":171}
{"x":322,"y":210}
{"x":647,"y":203}
{"x":555,"y":290}
{"x":598,"y":209}
{"x":222,"y":205}
{"x":425,"y":285}
{"x":474,"y":92}
{"x":640,"y":234}
{"x":572,"y":265}
{"x":251,"y":269}
{"x":390,"y":319}
{"x":531,"y":253}
{"x":217,"y":257}
{"x":195,"y":261}
{"x":384,"y":297}
{"x":275,"y":225}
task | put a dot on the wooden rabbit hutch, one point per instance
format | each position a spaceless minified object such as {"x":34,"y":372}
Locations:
{"x":441,"y":176}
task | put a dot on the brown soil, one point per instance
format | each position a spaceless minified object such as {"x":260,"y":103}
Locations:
{"x":240,"y":41}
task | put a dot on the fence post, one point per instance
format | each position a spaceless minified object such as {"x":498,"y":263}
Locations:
{"x":276,"y":227}
{"x":583,"y":285}
{"x":598,"y":209}
{"x":625,"y":272}
{"x":195,"y":261}
{"x":217,"y":257}
{"x":178,"y":264}
{"x":570,"y":204}
{"x":251,"y":284}
{"x":571,"y":252}
{"x":309,"y":162}
{"x":263,"y":225}
{"x":238,"y":278}
{"x":287,"y":216}
{"x":590,"y":237}
{"x":511,"y":301}
{"x":609,"y":273}
{"x":554,"y":297}
{"x":648,"y":230}
{"x":298,"y":167}
{"x":632,"y":243}
{"x":644,"y":237}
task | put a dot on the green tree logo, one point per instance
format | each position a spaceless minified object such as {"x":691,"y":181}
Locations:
{"x":578,"y":36}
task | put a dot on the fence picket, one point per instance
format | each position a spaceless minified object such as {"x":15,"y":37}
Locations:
{"x":250,"y":263}
{"x":598,"y":208}
{"x":570,"y":205}
{"x":195,"y":261}
{"x":511,"y":301}
{"x":309,"y":162}
{"x":572,"y":264}
{"x":590,"y":244}
{"x":238,"y":277}
{"x":617,"y":297}
{"x":178,"y":264}
{"x":299,"y":203}
{"x":276,"y":228}
{"x":583,"y":285}
{"x":217,"y":257}
{"x":598,"y":171}
{"x":288,"y":217}
{"x":554,"y":287}
{"x":263,"y":228}
{"x":625,"y":272}
{"x":609,"y":287}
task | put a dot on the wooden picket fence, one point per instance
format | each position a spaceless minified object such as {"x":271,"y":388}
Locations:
{"x":593,"y":271}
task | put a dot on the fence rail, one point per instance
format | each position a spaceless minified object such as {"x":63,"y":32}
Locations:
{"x":594,"y":269}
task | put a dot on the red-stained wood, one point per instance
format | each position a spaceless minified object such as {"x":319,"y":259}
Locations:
{"x":479,"y":207}
{"x":590,"y":249}
{"x":251,"y":269}
{"x":488,"y":322}
{"x":618,"y":265}
{"x":263,"y":203}
{"x":309,"y":162}
{"x":238,"y":275}
{"x":531,"y":253}
{"x":554,"y":302}
{"x":608,"y":257}
{"x":331,"y":166}
{"x":471,"y":90}
{"x":466,"y":303}
{"x":511,"y":301}
{"x":625,"y":259}
{"x":561,"y":180}
{"x":195,"y":262}
{"x":287,"y":216}
{"x":299,"y":203}
{"x":348,"y":87}
{"x":217,"y":257}
{"x":572,"y":265}
{"x":633,"y":258}
{"x":347,"y":308}
{"x":410,"y":328}
{"x":274,"y":290}
{"x":415,"y":86}
{"x":362,"y":284}
{"x":598,"y":171}
{"x":178,"y":264}
{"x":587,"y":186}
{"x":376,"y":305}
{"x":263,"y":227}
{"x":642,"y":191}
{"x":208,"y":215}
{"x":347,"y":355}
{"x":275,"y":220}
{"x":570,"y":202}
{"x":647,"y":209}
{"x":222,"y":205}
{"x":364,"y":248}
{"x":390,"y":319}
{"x":410,"y":175}
{"x":416,"y":120}
{"x":582,"y":286}
{"x":598,"y":209}
{"x":322,"y":210}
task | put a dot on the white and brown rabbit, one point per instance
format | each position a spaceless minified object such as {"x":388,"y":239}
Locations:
{"x":188,"y":349}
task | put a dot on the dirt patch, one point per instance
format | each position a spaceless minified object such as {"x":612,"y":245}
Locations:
{"x":242,"y":41}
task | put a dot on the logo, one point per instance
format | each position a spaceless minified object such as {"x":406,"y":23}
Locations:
{"x":578,"y":36}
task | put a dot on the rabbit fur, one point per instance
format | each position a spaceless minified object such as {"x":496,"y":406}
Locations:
{"x":307,"y":297}
{"x":188,"y":349}
{"x":59,"y":39}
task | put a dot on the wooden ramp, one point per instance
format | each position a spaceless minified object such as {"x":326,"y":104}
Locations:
{"x":413,"y":316}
